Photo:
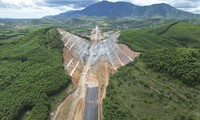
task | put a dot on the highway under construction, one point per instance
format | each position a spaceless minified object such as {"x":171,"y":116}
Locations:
{"x":89,"y":63}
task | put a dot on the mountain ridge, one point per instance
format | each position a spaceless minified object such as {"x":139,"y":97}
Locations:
{"x":126,"y":9}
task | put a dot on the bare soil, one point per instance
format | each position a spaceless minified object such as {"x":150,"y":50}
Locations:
{"x":72,"y":108}
{"x":128,"y":51}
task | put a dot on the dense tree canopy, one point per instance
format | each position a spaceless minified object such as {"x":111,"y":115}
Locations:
{"x":164,"y":82}
{"x":183,"y":64}
{"x":31,"y":71}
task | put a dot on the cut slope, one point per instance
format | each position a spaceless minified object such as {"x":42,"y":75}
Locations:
{"x":89,"y":64}
{"x":31,"y":71}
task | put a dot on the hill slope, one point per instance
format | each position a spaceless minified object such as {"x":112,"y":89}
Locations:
{"x":181,"y":63}
{"x":125,"y":9}
{"x":161,"y":83}
{"x":31,"y":72}
{"x":186,"y":34}
{"x":136,"y":92}
{"x":179,"y":34}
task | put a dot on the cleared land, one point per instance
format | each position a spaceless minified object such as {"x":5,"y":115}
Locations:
{"x":86,"y":61}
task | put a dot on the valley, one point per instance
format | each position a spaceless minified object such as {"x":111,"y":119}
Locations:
{"x":99,"y":60}
{"x":102,"y":73}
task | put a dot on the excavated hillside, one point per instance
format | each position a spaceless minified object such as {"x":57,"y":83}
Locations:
{"x":89,"y":63}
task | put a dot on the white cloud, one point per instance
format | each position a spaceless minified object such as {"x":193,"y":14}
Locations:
{"x":40,"y":8}
{"x":30,"y":9}
{"x":186,"y":5}
{"x":21,"y":3}
{"x":144,"y":2}
{"x":32,"y":12}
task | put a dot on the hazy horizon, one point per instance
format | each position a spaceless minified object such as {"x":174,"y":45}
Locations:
{"x":30,"y":9}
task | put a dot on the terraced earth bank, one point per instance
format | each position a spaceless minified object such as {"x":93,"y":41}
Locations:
{"x":89,"y":63}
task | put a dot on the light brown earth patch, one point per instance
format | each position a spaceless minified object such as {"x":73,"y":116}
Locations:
{"x":128,"y":51}
{"x":102,"y":73}
{"x":69,"y":63}
{"x":74,"y":106}
{"x":63,"y":109}
{"x":78,"y":115}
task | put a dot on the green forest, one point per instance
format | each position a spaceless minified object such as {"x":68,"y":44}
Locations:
{"x":31,"y":72}
{"x":163,"y":83}
{"x":136,"y":92}
{"x":181,"y":63}
{"x":171,"y":35}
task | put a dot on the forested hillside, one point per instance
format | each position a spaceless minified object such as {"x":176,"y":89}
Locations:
{"x":164,"y":82}
{"x":185,"y":34}
{"x":106,"y":8}
{"x":172,"y":35}
{"x":180,"y":63}
{"x":136,"y":92}
{"x":31,"y":72}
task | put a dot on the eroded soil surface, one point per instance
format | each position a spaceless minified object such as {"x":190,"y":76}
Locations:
{"x":89,"y":63}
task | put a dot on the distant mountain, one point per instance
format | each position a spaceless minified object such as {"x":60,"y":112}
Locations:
{"x":126,"y":9}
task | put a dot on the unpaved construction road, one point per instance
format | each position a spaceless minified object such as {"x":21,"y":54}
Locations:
{"x":89,"y":63}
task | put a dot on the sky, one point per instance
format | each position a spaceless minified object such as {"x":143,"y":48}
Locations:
{"x":41,"y":8}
